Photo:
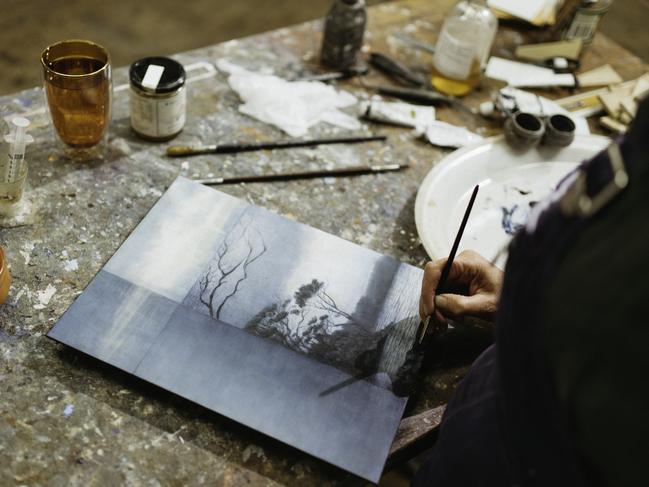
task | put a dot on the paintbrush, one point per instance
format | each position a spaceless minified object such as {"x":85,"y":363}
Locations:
{"x":423,"y":325}
{"x":190,"y":150}
{"x":395,"y":69}
{"x":361,"y":70}
{"x":325,"y":173}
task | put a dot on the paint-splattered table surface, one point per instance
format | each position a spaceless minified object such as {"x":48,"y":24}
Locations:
{"x":68,"y":420}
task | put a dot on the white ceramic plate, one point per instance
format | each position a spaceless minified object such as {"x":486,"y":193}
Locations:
{"x":510,"y":183}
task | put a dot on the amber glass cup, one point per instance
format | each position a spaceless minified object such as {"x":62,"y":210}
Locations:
{"x":77,"y":81}
{"x":5,"y":277}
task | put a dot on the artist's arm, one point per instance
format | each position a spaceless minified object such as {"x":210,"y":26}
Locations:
{"x":477,"y":282}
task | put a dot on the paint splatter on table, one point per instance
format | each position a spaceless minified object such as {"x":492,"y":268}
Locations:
{"x":119,"y":430}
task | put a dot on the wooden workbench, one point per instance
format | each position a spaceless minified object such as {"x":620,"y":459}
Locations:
{"x":66,"y":419}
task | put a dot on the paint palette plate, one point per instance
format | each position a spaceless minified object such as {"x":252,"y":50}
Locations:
{"x":510,"y":184}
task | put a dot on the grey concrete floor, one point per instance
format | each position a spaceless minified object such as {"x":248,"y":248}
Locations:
{"x":133,"y":29}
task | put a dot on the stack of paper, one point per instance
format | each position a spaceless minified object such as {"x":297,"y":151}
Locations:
{"x":537,"y":12}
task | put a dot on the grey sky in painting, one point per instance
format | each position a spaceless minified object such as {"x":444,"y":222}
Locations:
{"x":295,"y":254}
{"x":175,"y":239}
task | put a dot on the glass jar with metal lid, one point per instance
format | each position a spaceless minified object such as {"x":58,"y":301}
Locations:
{"x":158,"y":98}
{"x":586,"y":19}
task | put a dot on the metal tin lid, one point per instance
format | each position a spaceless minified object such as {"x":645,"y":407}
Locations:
{"x":157,"y":74}
{"x":595,"y":7}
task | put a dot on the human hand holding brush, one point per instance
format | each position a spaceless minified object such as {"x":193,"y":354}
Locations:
{"x":475,"y":286}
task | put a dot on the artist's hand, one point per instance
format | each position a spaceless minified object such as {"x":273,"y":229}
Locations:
{"x":477,"y":281}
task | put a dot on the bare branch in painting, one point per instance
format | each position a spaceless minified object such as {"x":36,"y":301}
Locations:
{"x":230,"y":270}
{"x":328,"y":304}
{"x":247,"y":262}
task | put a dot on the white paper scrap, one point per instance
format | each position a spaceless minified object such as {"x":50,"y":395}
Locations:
{"x":398,"y":113}
{"x":292,"y":106}
{"x":446,"y":135}
{"x":521,"y":74}
{"x":531,"y":10}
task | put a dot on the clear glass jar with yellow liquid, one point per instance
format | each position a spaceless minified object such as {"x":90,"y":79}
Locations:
{"x":463,"y":47}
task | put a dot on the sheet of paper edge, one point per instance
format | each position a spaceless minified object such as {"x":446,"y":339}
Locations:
{"x":544,"y":13}
{"x":539,"y":52}
{"x":519,"y":74}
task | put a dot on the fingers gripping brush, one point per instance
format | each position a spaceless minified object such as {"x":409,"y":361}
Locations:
{"x":408,"y":374}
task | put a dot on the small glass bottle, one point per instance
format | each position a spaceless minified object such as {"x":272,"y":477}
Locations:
{"x":344,"y":30}
{"x":583,"y":24}
{"x":13,"y":167}
{"x":463,"y":47}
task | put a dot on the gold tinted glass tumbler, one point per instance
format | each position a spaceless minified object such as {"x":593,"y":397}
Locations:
{"x":78,"y":90}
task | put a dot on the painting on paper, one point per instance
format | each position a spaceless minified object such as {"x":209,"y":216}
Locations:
{"x":245,"y":312}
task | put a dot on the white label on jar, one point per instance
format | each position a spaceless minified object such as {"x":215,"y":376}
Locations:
{"x":452,"y":57}
{"x":583,"y":27}
{"x":158,"y":117}
{"x":152,"y":76}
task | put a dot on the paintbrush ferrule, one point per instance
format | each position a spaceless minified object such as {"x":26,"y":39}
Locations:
{"x":190,"y":150}
{"x":210,"y":181}
{"x":388,"y":167}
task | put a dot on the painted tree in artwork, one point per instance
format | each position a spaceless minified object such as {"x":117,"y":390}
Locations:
{"x":302,"y":321}
{"x":312,"y":322}
{"x":239,"y":250}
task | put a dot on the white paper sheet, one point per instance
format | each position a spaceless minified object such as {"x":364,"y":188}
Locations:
{"x":521,"y":74}
{"x":530,"y":10}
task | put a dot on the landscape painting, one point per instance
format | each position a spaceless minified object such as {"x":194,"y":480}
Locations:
{"x":246,"y":312}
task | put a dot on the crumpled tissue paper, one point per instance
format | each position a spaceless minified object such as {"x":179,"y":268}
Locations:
{"x":292,"y":106}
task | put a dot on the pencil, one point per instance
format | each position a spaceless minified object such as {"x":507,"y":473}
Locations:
{"x":423,"y":325}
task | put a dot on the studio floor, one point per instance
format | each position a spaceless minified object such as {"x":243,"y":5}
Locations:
{"x":131,"y":30}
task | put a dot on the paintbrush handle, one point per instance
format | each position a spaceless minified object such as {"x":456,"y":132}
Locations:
{"x":424,"y":324}
{"x":415,"y":95}
{"x":187,"y":150}
{"x":346,"y":171}
{"x":449,"y":262}
{"x":395,"y":68}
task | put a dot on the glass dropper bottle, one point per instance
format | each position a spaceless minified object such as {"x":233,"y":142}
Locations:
{"x":463,"y":47}
{"x":13,"y":168}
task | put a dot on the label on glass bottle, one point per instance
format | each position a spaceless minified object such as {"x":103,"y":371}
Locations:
{"x":452,"y":57}
{"x":14,"y":165}
{"x":583,"y":27}
{"x":158,"y":117}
